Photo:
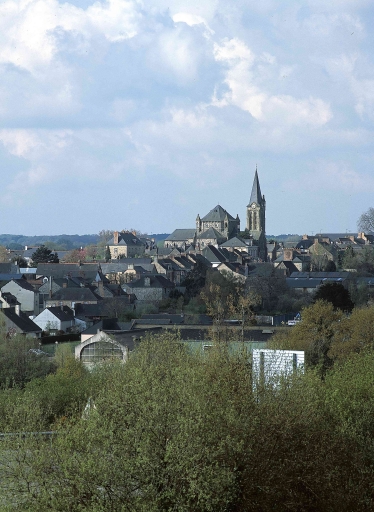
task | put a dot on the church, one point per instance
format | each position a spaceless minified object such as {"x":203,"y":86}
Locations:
{"x":218,"y":227}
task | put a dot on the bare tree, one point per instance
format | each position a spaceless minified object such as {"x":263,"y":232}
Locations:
{"x":366,"y":221}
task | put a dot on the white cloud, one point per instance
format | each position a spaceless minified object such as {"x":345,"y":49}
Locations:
{"x":27,"y":27}
{"x":243,"y":79}
{"x":333,"y":177}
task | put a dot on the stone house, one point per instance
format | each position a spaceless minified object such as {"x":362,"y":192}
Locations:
{"x":153,"y":288}
{"x":17,"y":322}
{"x":125,"y":244}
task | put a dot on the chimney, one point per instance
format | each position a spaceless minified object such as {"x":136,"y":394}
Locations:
{"x":115,"y":237}
{"x":50,"y":287}
{"x":100,"y":285}
{"x":17,"y":310}
{"x":147,"y":281}
{"x":65,"y":284}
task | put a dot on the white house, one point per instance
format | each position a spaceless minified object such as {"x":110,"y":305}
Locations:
{"x":59,"y":318}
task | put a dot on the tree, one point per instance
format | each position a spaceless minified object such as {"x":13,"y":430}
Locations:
{"x":75,"y":255}
{"x":314,"y":334}
{"x":175,"y":430}
{"x":366,"y":221}
{"x":44,"y":255}
{"x":354,"y":334}
{"x":20,"y":261}
{"x":336,"y":294}
{"x":107,"y":254}
{"x":4,"y":255}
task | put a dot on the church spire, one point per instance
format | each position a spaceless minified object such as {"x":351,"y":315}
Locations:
{"x":256,"y":196}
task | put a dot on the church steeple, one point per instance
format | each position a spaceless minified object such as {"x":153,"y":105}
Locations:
{"x":256,"y":217}
{"x":256,"y":196}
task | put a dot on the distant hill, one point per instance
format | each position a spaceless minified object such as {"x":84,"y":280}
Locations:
{"x":284,"y":238}
{"x":61,"y":242}
{"x":57,"y":242}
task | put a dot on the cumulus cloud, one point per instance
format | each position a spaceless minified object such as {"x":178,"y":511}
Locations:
{"x":187,"y":95}
{"x":242,"y":78}
{"x":27,"y":27}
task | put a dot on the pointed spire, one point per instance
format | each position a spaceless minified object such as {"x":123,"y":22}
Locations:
{"x":256,"y":196}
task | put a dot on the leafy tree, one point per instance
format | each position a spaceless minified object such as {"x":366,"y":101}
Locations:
{"x":330,"y":266}
{"x":19,"y":363}
{"x":75,"y":255}
{"x":366,"y":221}
{"x":174,"y":430}
{"x":314,"y":334}
{"x":107,"y":254}
{"x":354,"y":334}
{"x":20,"y":261}
{"x":4,"y":255}
{"x":335,"y":293}
{"x":44,"y":255}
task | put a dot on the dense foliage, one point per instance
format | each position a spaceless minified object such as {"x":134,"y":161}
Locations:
{"x":44,"y":255}
{"x":172,"y":430}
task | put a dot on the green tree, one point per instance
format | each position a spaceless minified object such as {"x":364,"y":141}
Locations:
{"x":354,"y":334}
{"x":44,"y":255}
{"x":107,"y":254}
{"x":20,"y":261}
{"x":314,"y":334}
{"x":335,"y":293}
{"x":366,"y":221}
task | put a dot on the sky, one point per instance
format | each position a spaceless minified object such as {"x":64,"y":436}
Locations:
{"x":125,"y":114}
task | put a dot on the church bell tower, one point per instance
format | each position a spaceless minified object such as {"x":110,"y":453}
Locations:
{"x":256,"y":217}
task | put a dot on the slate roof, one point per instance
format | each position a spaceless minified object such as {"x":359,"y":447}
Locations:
{"x":89,"y":310}
{"x":234,"y":242}
{"x":320,"y":275}
{"x":127,"y":239}
{"x":108,"y":324}
{"x":178,"y":235}
{"x":86,"y":271}
{"x":303,"y":282}
{"x":170,"y":318}
{"x":10,"y":277}
{"x":8,"y":268}
{"x":213,"y":255}
{"x":256,"y":196}
{"x":63,"y":313}
{"x":217,"y":214}
{"x":22,"y":321}
{"x":75,"y":295}
{"x":211,"y":233}
{"x":156,"y":281}
{"x":23,"y":284}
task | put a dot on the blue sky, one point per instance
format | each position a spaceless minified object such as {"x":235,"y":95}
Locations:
{"x":120,"y":113}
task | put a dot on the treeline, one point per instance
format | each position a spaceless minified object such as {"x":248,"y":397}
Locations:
{"x":172,"y":430}
{"x":54,"y":242}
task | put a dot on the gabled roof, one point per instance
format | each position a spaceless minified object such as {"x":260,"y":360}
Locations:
{"x":85,"y":270}
{"x":213,"y":254}
{"x":12,"y":277}
{"x":63,"y":313}
{"x":211,"y":234}
{"x":75,"y":295}
{"x":128,"y":239}
{"x":234,"y":242}
{"x":156,"y":281}
{"x":22,"y":321}
{"x":179,"y":235}
{"x":256,"y":196}
{"x":217,"y":214}
{"x":23,"y":284}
